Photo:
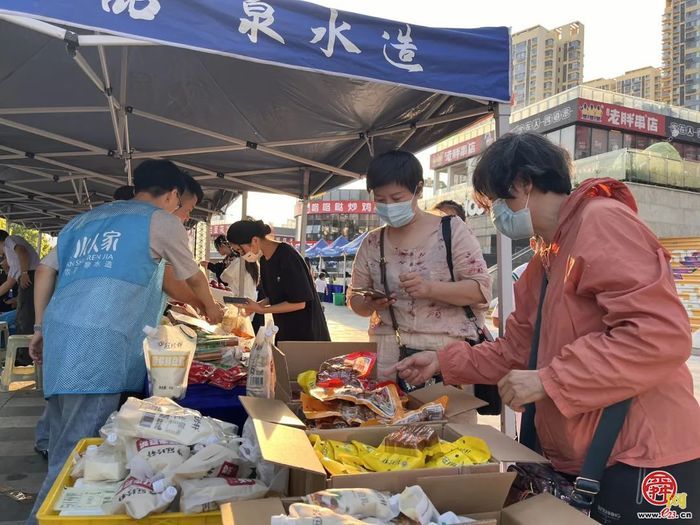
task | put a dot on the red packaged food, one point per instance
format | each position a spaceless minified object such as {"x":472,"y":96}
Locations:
{"x":200,"y":373}
{"x":346,"y":370}
{"x":227,"y":379}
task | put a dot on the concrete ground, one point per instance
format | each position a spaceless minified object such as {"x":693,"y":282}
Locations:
{"x":22,"y":469}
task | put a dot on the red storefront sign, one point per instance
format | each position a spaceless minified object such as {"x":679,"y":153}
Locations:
{"x":620,"y":117}
{"x":330,"y":207}
{"x":458,"y":152}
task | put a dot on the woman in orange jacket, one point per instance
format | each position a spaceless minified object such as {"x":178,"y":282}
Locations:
{"x":613,"y":328}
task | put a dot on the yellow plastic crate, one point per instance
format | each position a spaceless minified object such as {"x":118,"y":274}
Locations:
{"x":48,"y":516}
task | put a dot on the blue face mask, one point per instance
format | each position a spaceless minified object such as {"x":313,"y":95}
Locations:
{"x":516,"y":225}
{"x":396,"y":214}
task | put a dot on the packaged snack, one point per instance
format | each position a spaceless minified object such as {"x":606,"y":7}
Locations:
{"x":433,"y":411}
{"x":326,"y":455}
{"x":466,"y":450}
{"x":346,"y":370}
{"x":261,"y":367}
{"x":213,"y":461}
{"x":307,"y":381}
{"x":147,"y":457}
{"x":104,"y":463}
{"x":162,"y":418}
{"x":169,"y":351}
{"x":383,"y":401}
{"x":380,"y":460}
{"x":358,"y":503}
{"x":200,"y":373}
{"x":137,"y":498}
{"x":311,"y":515}
{"x":227,"y":379}
{"x":412,"y":440}
{"x":203,"y":495}
{"x":415,"y":504}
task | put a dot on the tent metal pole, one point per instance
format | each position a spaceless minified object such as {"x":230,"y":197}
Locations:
{"x":36,"y":25}
{"x":345,"y":272}
{"x":107,"y":40}
{"x":304,"y":211}
{"x":361,"y":144}
{"x":53,"y":136}
{"x":237,"y":174}
{"x":114,"y":106}
{"x":436,"y":105}
{"x":96,"y":177}
{"x":240,"y":142}
{"x":504,"y":257}
{"x":48,"y":110}
{"x":190,"y":151}
{"x":241,"y":265}
{"x":126,"y":152}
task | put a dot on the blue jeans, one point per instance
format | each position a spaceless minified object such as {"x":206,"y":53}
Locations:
{"x":71,"y":418}
{"x":42,"y":432}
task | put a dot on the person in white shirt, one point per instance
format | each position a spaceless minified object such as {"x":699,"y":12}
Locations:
{"x":321,"y":286}
{"x":22,"y":260}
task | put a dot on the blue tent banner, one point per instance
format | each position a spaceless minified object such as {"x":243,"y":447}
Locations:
{"x":471,"y":63}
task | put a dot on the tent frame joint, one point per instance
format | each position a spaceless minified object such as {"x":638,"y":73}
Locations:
{"x":72,"y":41}
{"x":251,"y":145}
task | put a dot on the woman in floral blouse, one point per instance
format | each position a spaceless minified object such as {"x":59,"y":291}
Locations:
{"x":427,"y":305}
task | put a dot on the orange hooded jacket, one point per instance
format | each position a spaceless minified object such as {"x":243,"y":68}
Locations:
{"x":613,"y":328}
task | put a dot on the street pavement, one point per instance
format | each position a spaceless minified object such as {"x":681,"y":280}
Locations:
{"x":22,"y":469}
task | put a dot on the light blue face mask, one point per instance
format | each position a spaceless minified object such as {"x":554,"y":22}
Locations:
{"x":396,"y":214}
{"x":516,"y":225}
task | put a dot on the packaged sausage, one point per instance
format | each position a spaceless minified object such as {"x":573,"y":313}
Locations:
{"x":203,"y":495}
{"x":383,"y":401}
{"x":169,"y":351}
{"x":137,"y":498}
{"x":346,"y":370}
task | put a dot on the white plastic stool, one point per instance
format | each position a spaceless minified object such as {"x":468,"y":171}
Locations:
{"x":5,"y":331}
{"x":12,"y":373}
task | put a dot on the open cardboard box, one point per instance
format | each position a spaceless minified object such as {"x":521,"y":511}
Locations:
{"x":284,"y":442}
{"x":294,"y":357}
{"x":479,"y":497}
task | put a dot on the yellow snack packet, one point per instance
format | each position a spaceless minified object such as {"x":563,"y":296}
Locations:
{"x":307,"y":380}
{"x":379,"y":460}
{"x":466,"y":450}
{"x":325,"y":453}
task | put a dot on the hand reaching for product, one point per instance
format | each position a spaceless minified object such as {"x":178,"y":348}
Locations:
{"x":415,"y":285}
{"x":252,"y":307}
{"x":418,"y":368}
{"x":214,"y":313}
{"x":520,"y":387}
{"x":25,"y":281}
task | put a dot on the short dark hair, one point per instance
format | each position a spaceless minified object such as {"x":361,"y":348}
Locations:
{"x":3,"y":235}
{"x":242,"y":232}
{"x":397,"y":166}
{"x":454,"y":206}
{"x":124,"y":193}
{"x":158,"y":177}
{"x":220,"y":241}
{"x":530,"y":156}
{"x":193,"y":187}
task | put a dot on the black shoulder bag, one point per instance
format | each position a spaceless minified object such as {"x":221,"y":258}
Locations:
{"x":533,"y":478}
{"x":404,"y":351}
{"x":488,"y":393}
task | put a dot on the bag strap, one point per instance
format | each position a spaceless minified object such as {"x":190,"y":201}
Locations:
{"x":382,"y":268}
{"x":446,"y":225}
{"x":587,"y":484}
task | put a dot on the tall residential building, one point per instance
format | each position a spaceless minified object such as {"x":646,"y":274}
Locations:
{"x":644,"y":82}
{"x":546,"y":62}
{"x":681,"y":53}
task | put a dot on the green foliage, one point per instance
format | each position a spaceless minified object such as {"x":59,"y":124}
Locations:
{"x":31,"y":236}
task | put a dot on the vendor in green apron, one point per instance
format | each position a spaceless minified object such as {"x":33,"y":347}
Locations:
{"x":94,"y":294}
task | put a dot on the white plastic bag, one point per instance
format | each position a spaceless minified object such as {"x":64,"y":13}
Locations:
{"x":261,"y":367}
{"x":203,"y":495}
{"x":162,"y":418}
{"x":137,"y":498}
{"x":104,"y":463}
{"x":149,"y":457}
{"x":169,"y":351}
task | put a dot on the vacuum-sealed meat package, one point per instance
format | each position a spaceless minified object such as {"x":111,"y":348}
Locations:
{"x":169,"y":351}
{"x":346,"y":370}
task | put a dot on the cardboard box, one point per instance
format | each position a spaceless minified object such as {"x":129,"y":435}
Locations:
{"x":480,"y":497}
{"x":294,"y":357}
{"x":284,"y":442}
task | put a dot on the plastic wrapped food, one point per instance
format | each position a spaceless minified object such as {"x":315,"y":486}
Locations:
{"x":104,"y":463}
{"x":148,"y":457}
{"x":383,"y":401}
{"x":203,"y":495}
{"x":307,"y":380}
{"x":358,"y":503}
{"x":227,"y":378}
{"x":137,"y":498}
{"x":346,"y":370}
{"x":261,"y":367}
{"x":162,"y":418}
{"x":411,"y":439}
{"x":212,"y":461}
{"x":169,"y":351}
{"x":200,"y":373}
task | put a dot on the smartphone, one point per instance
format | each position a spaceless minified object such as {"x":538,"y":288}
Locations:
{"x":369,"y":292}
{"x":235,"y":300}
